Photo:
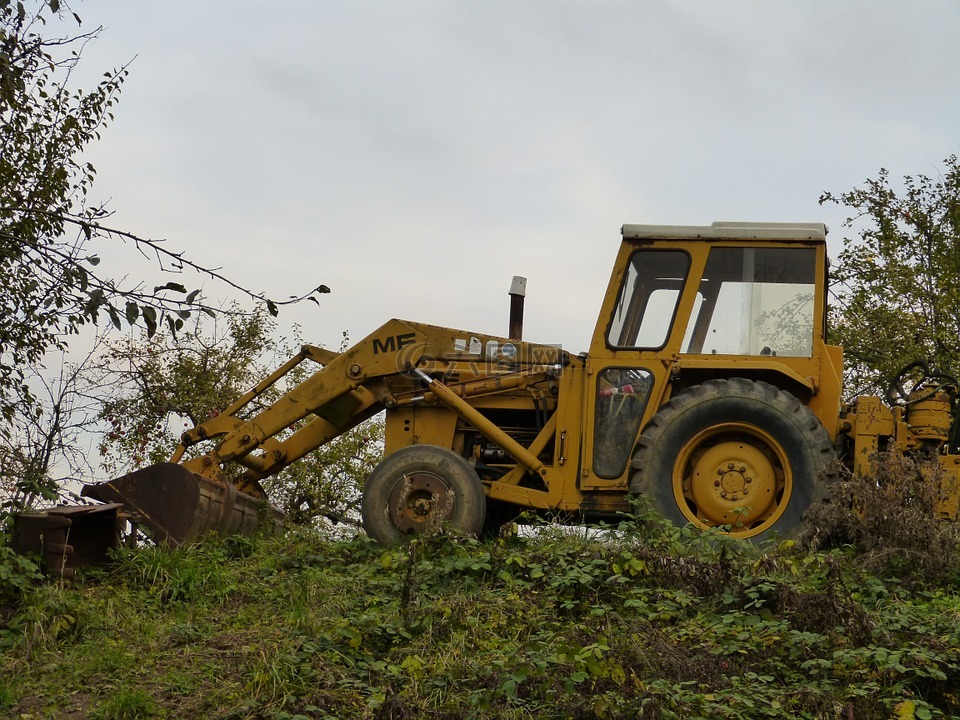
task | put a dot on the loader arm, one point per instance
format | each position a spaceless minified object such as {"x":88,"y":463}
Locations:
{"x":348,"y":388}
{"x":335,"y":403}
{"x":397,"y":365}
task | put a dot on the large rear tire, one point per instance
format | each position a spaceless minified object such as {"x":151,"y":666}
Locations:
{"x":736,"y":454}
{"x":421,"y":488}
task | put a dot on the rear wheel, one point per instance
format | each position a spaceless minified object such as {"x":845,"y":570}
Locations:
{"x":736,"y":454}
{"x":421,"y":488}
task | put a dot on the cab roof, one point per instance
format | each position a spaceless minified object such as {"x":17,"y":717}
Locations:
{"x":728,"y":231}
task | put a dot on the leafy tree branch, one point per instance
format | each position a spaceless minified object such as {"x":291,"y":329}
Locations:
{"x":897,"y":282}
{"x":50,"y":284}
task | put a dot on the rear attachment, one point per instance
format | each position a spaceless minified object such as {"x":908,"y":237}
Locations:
{"x":68,"y":537}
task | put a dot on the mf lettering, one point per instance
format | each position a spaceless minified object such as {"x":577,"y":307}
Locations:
{"x":393,"y":343}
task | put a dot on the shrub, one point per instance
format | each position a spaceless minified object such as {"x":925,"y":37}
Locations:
{"x":890,"y":519}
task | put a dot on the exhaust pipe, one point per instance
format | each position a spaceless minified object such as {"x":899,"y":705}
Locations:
{"x":518,"y":291}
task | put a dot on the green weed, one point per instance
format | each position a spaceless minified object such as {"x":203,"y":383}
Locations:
{"x":126,"y":704}
{"x":6,"y":697}
{"x":644,"y":620}
{"x":17,"y":574}
{"x":186,"y":574}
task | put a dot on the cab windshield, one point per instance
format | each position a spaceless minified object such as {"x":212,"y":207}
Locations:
{"x":755,"y":301}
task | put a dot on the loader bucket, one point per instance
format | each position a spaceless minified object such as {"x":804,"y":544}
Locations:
{"x":178,"y":506}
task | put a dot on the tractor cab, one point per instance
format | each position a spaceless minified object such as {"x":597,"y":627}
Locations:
{"x":728,"y":303}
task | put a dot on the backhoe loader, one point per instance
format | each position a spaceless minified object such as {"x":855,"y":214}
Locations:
{"x":708,"y":387}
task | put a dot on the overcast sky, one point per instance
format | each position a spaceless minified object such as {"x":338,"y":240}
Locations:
{"x":414,"y":156}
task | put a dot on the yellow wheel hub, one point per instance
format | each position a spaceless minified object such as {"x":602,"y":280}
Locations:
{"x":735,"y":475}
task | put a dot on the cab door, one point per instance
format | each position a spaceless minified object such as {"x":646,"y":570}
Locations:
{"x":629,"y":363}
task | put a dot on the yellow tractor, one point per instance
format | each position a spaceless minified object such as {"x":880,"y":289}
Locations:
{"x":708,"y":387}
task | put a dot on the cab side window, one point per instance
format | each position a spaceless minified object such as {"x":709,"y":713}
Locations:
{"x":648,"y":299}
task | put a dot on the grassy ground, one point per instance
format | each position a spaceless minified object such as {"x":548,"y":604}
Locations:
{"x":646,"y":622}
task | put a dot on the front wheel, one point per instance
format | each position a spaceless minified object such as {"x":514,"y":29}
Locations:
{"x":420,"y":488}
{"x":734,"y":454}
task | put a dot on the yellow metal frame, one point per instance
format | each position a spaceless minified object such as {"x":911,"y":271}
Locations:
{"x":536,"y":405}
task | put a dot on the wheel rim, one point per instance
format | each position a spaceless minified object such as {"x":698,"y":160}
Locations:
{"x":420,"y":501}
{"x":733,"y":474}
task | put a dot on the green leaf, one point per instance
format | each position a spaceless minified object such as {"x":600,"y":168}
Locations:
{"x":272,"y":308}
{"x":114,"y":317}
{"x":150,"y":320}
{"x":133,"y":312}
{"x":96,"y":299}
